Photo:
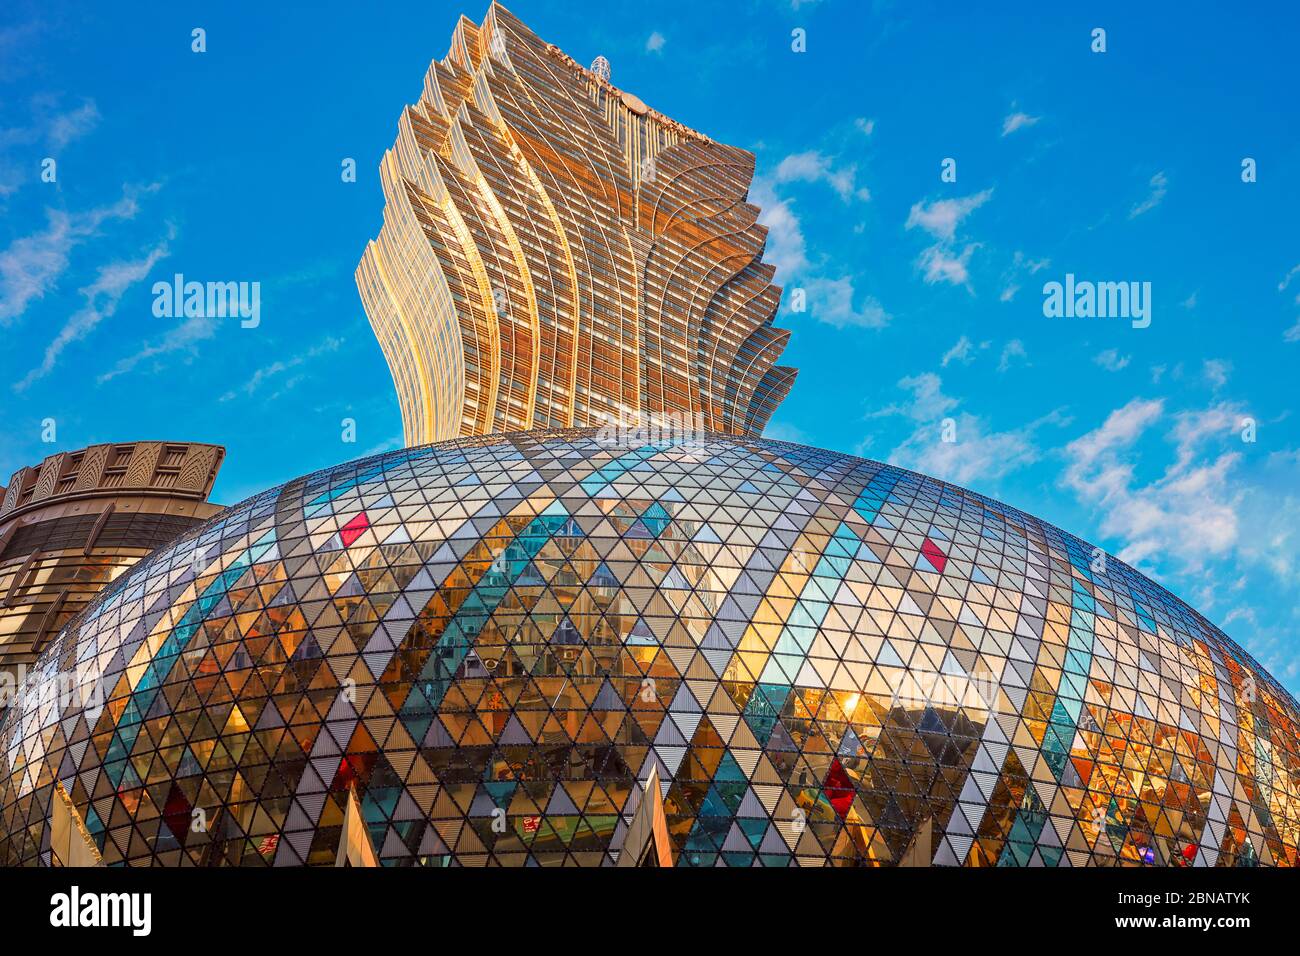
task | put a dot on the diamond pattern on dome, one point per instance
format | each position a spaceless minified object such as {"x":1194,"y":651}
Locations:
{"x":489,"y":643}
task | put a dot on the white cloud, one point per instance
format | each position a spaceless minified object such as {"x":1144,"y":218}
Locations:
{"x":1293,"y":333}
{"x":179,"y":338}
{"x":786,"y":248}
{"x":977,"y":453}
{"x":268,"y":372}
{"x":1193,"y":428}
{"x":66,"y":127}
{"x":1270,"y":518}
{"x":866,"y":126}
{"x":32,"y":265}
{"x":102,"y":297}
{"x":387,"y":444}
{"x":1111,"y":360}
{"x":655,"y":42}
{"x":1017,"y":120}
{"x":813,"y":166}
{"x":56,"y":130}
{"x":963,"y":351}
{"x":830,"y":298}
{"x":831,"y":301}
{"x":1286,"y":280}
{"x":1121,"y":428}
{"x":53,"y":128}
{"x":940,"y":264}
{"x":942,"y":217}
{"x":1011,"y":352}
{"x":1216,"y":372}
{"x":928,"y":401}
{"x":1189,"y":513}
{"x":1159,"y":186}
{"x":1021,"y":266}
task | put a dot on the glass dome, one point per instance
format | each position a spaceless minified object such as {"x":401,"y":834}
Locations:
{"x":489,"y":644}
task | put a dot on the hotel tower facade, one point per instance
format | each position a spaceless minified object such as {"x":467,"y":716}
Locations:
{"x":556,"y":254}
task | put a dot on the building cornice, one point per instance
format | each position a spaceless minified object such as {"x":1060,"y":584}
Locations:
{"x":154,"y":469}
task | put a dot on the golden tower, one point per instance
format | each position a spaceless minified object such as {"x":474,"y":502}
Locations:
{"x":556,"y":254}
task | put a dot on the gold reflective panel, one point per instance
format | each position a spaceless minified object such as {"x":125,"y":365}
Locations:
{"x":355,"y":848}
{"x":70,"y":844}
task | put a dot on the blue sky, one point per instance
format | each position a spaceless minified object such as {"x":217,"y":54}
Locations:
{"x":925,"y":297}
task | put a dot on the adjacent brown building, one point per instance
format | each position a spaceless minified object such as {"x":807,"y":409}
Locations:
{"x":73,"y":523}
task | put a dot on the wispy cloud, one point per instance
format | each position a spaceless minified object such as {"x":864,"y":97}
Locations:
{"x":388,"y":444}
{"x":927,"y":401}
{"x":1213,"y":517}
{"x":48,"y":127}
{"x":834,"y":302}
{"x":1216,"y":372}
{"x":102,"y":297}
{"x":66,"y":127}
{"x":942,"y":217}
{"x":963,"y":351}
{"x":1012,"y":352}
{"x":1188,"y":513}
{"x":654,"y":42}
{"x":975,"y":453}
{"x":814,"y":166}
{"x":32,"y":265}
{"x":1293,"y":333}
{"x":831,"y":296}
{"x":786,"y":247}
{"x":1021,"y":267}
{"x":1017,"y":120}
{"x":1286,"y":279}
{"x":1111,"y":360}
{"x":179,"y":338}
{"x":1159,"y":186}
{"x":942,"y":262}
{"x":269,"y":372}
